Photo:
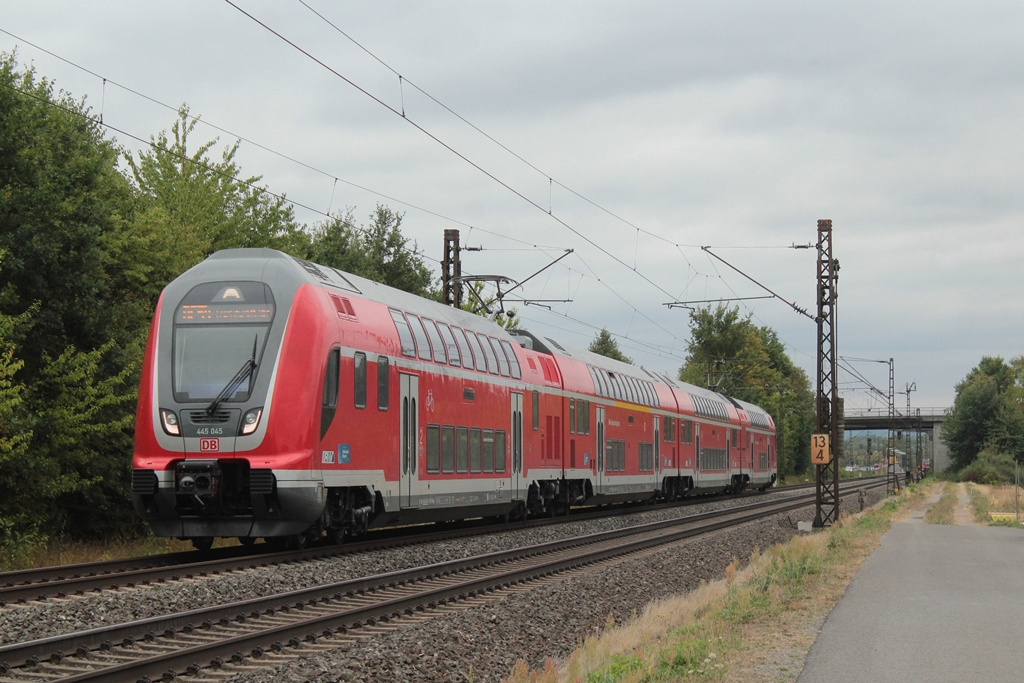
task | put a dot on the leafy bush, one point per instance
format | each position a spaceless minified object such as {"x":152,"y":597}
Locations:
{"x":990,"y":467}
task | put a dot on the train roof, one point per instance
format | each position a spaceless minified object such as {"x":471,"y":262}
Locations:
{"x":704,"y":401}
{"x":348,"y":283}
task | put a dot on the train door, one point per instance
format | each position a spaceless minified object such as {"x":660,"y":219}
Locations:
{"x":600,"y":448}
{"x":657,"y":449}
{"x":517,"y":445}
{"x":696,"y":454}
{"x":409,"y":440}
{"x":750,"y":449}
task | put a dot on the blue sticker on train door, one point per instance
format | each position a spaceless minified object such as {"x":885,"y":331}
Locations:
{"x":344,"y":454}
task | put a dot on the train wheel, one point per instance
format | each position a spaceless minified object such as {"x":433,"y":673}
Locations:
{"x":335,"y":536}
{"x":297,"y":541}
{"x":202,"y":543}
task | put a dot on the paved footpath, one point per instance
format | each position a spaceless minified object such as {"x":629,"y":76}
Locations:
{"x":932,"y":603}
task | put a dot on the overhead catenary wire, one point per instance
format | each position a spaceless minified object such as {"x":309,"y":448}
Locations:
{"x":252,"y":185}
{"x":551,"y":182}
{"x":462,"y":156}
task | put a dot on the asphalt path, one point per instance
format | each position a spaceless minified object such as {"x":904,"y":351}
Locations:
{"x":933,"y":603}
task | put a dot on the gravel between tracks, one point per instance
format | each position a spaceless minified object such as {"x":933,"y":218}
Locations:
{"x":481,"y":643}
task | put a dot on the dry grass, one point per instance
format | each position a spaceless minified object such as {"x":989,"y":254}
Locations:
{"x":944,"y":511}
{"x":996,"y":504}
{"x":61,"y":553}
{"x":1005,"y":498}
{"x":756,"y":624}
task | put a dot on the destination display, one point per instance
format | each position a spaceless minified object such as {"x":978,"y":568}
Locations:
{"x":195,"y":314}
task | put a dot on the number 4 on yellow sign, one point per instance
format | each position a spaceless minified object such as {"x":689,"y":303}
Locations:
{"x":821,"y":454}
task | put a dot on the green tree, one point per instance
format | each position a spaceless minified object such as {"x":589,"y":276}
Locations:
{"x":19,"y":531}
{"x":206,"y":204}
{"x":14,"y":434}
{"x":65,"y":211}
{"x":82,"y":446}
{"x":378,"y":251}
{"x":988,"y":412}
{"x":604,"y":344}
{"x":727,"y":353}
{"x":61,"y":199}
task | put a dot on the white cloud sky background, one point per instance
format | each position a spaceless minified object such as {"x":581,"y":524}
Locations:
{"x":735,"y":125}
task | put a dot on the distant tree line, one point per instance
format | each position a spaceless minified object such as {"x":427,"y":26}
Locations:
{"x":90,"y":233}
{"x":984,"y":429}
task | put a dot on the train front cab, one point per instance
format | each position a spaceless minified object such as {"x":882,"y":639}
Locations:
{"x":206,"y":464}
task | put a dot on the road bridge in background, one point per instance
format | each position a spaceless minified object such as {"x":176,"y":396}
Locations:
{"x":928,"y":420}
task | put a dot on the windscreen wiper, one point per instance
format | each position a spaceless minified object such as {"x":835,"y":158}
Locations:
{"x":248,"y":368}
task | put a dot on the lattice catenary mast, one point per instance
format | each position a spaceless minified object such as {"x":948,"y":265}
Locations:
{"x":827,"y":487}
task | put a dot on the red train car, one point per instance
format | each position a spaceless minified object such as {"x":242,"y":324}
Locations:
{"x":283,"y":399}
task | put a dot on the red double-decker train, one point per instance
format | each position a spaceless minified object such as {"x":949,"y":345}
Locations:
{"x":287,"y":400}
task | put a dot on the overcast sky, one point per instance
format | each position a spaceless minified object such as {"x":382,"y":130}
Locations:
{"x":641,"y":131}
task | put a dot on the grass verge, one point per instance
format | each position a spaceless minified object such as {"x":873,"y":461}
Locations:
{"x":63,"y":552}
{"x":756,"y":624}
{"x":944,"y":511}
{"x":996,"y":505}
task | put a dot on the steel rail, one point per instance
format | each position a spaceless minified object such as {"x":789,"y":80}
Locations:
{"x":53,"y":648}
{"x":63,"y":581}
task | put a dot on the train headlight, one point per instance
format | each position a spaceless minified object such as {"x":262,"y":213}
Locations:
{"x":251,"y":420}
{"x":170,"y":422}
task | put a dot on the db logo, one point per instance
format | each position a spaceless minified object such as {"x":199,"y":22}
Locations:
{"x":209,"y":445}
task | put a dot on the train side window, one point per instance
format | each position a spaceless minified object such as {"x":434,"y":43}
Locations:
{"x":462,"y":450}
{"x":670,"y":429}
{"x":488,"y":450}
{"x":448,"y":449}
{"x":686,"y":431}
{"x":486,"y":362}
{"x":404,"y":333}
{"x":331,"y":379}
{"x":616,"y":387}
{"x":499,"y":354}
{"x":359,"y":379}
{"x":383,"y":384}
{"x":422,"y":345}
{"x":499,"y":451}
{"x":433,"y":449}
{"x":582,"y":416}
{"x":475,"y":448}
{"x":329,"y":401}
{"x":435,"y":340}
{"x":572,"y":416}
{"x":536,"y":411}
{"x":454,"y":357}
{"x":597,"y":385}
{"x":464,"y":348}
{"x":513,"y":362}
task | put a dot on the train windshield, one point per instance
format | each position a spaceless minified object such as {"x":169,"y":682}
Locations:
{"x":218,"y":328}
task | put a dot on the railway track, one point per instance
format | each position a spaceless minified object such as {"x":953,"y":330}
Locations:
{"x":47,"y":583}
{"x":266,"y":628}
